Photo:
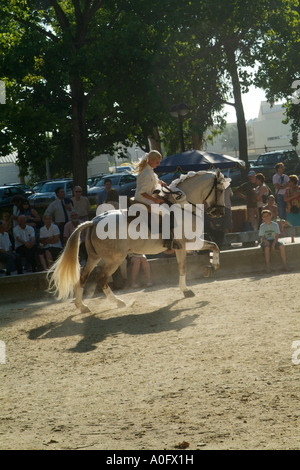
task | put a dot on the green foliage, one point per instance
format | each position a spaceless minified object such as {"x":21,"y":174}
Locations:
{"x":97,"y":76}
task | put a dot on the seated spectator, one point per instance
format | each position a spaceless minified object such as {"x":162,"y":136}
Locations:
{"x":8,"y":225}
{"x":81,"y":204}
{"x":138,"y":261}
{"x":17,"y":202}
{"x":69,"y":229}
{"x":32,"y":216}
{"x":269,"y":233}
{"x":25,"y":242}
{"x":50,"y":244}
{"x":11,"y":259}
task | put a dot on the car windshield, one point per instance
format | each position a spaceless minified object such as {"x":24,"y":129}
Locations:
{"x":50,"y":187}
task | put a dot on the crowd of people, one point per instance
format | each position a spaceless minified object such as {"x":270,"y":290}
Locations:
{"x":268,"y":212}
{"x":30,"y":242}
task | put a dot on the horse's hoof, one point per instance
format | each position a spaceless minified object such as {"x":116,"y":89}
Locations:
{"x":216,"y":266}
{"x":84,"y":308}
{"x":188,"y":293}
{"x":207,"y":271}
{"x":121,"y":303}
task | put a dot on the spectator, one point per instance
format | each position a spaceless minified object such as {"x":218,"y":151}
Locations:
{"x":69,"y":229}
{"x":17,"y":202}
{"x":50,"y":243}
{"x":8,"y":225}
{"x":81,"y":204}
{"x":103,"y":193}
{"x":228,"y":214}
{"x":60,"y":210}
{"x":281,"y":182}
{"x":262,"y":191}
{"x":271,"y":206}
{"x":136,"y":262}
{"x":292,"y":199}
{"x":269,"y":233}
{"x":11,"y":259}
{"x":32,"y":216}
{"x":247,"y":192}
{"x":25,"y":243}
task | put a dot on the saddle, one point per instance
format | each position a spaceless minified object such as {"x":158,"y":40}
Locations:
{"x":168,"y":243}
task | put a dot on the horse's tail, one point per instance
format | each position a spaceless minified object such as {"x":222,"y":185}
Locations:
{"x":65,"y":272}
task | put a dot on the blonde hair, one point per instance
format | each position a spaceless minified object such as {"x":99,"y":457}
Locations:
{"x":148,"y":157}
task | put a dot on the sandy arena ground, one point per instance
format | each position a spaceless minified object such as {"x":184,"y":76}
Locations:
{"x":216,"y":371}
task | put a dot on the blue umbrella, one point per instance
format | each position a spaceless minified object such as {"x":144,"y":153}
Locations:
{"x":196,"y":160}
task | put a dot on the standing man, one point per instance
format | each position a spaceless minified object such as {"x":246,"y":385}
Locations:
{"x":60,"y":210}
{"x":281,"y":182}
{"x":81,"y":204}
{"x":103,"y":194}
{"x":247,"y":191}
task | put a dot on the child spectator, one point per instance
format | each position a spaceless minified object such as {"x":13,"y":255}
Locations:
{"x":269,"y":233}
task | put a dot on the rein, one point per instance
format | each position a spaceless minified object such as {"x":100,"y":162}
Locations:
{"x":214,"y":187}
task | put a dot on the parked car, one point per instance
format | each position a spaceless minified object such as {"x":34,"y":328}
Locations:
{"x":47,"y":193}
{"x":93,"y":180}
{"x":7,"y":192}
{"x":124,"y":183}
{"x":27,"y":190}
{"x":266,"y":162}
{"x":38,"y":185}
{"x":121,"y":169}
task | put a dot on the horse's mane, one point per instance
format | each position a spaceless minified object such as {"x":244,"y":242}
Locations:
{"x":190,"y":174}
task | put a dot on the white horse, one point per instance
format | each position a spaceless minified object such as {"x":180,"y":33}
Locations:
{"x":66,"y":278}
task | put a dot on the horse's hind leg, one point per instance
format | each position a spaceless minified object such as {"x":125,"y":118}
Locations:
{"x":110,"y":266}
{"x":84,"y":274}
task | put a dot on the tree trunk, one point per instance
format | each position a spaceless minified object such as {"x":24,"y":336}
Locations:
{"x":240,"y":116}
{"x":79,"y":135}
{"x":197,"y":134}
{"x":155,"y":141}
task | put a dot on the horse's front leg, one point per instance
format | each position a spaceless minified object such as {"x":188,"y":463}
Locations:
{"x":181,"y":260}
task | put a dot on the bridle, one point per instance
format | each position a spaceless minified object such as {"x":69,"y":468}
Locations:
{"x":210,"y":208}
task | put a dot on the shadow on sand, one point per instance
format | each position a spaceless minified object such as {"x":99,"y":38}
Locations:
{"x":94,"y":330}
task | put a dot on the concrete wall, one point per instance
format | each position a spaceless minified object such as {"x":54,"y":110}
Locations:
{"x":236,"y":263}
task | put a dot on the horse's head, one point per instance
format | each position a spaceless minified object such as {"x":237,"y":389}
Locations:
{"x":214,"y":201}
{"x":203,"y":187}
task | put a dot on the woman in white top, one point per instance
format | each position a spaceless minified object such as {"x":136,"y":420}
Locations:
{"x":146,"y":184}
{"x":147,"y":180}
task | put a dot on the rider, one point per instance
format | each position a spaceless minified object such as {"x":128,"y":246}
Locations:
{"x":147,"y":182}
